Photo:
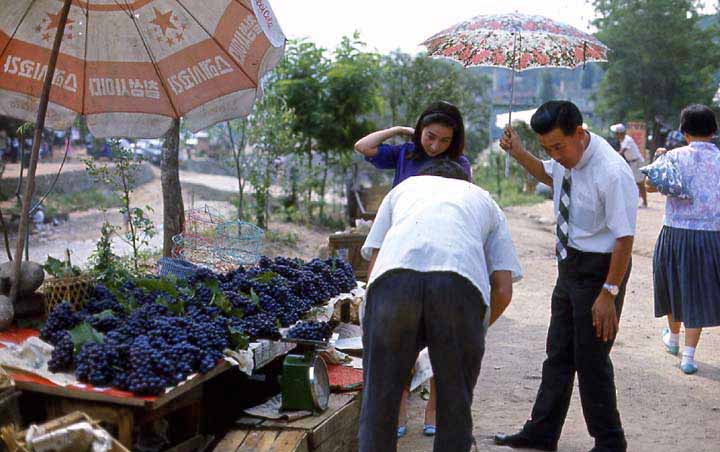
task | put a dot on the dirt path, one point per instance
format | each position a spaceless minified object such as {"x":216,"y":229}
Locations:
{"x":82,"y":231}
{"x":661,"y":408}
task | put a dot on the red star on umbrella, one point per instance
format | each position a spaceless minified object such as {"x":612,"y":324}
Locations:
{"x":164,"y":21}
{"x":55,"y":21}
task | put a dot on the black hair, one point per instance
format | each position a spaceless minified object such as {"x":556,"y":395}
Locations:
{"x":698,"y":120}
{"x":444,"y":168}
{"x":448,"y":115}
{"x":554,"y":114}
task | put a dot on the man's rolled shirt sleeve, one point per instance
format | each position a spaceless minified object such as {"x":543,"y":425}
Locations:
{"x":548,"y":166}
{"x":620,"y":195}
{"x":500,"y":252}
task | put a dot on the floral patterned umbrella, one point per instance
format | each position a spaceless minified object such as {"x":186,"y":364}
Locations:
{"x":518,"y":42}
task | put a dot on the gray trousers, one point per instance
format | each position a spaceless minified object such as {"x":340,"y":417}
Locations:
{"x":406,"y":311}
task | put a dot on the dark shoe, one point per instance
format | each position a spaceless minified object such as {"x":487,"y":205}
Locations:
{"x":518,"y":441}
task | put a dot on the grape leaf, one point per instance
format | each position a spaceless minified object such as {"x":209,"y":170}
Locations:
{"x":157,"y":285}
{"x":265,"y":277}
{"x":239,"y":340}
{"x":219,"y":298}
{"x":254,"y":297}
{"x":85,"y":334}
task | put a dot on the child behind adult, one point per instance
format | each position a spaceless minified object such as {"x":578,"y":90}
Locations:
{"x":438,"y":134}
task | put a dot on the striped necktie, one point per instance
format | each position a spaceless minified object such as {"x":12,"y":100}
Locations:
{"x":563,"y":218}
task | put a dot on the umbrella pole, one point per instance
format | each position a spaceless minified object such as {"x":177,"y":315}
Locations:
{"x":512,"y":99}
{"x":39,"y":126}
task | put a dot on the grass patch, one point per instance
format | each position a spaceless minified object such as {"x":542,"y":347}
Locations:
{"x":509,"y":191}
{"x":283,"y":238}
{"x":84,"y":200}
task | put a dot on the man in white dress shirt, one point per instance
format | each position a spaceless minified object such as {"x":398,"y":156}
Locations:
{"x":631,"y":153}
{"x":595,"y":203}
{"x":442,"y":267}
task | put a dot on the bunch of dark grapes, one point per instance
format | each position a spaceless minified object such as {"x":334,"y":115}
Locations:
{"x":96,"y":364}
{"x":61,"y":318}
{"x":315,"y":331}
{"x":63,"y":355}
{"x":260,"y":325}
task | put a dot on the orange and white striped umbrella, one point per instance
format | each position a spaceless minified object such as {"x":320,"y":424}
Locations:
{"x":132,"y":66}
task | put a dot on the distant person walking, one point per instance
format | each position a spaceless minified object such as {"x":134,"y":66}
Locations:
{"x":686,"y":263}
{"x":631,"y":153}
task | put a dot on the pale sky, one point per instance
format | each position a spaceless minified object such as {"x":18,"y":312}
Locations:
{"x":390,"y":24}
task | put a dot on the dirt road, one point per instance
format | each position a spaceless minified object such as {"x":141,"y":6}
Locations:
{"x":662,"y":409}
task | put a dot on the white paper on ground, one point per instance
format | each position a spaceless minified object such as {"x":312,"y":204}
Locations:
{"x":423,"y":370}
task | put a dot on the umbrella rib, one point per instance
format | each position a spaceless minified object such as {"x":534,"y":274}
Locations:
{"x":17,"y":27}
{"x":244,"y":6}
{"x":84,"y":80}
{"x":255,"y":84}
{"x":154,"y":63}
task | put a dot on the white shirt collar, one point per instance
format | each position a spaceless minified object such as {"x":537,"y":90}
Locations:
{"x":587,"y":154}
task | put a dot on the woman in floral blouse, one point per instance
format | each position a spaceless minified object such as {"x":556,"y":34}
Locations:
{"x":686,"y":264}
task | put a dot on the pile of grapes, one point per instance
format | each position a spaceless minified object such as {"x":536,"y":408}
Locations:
{"x":153,"y":337}
{"x":312,"y":330}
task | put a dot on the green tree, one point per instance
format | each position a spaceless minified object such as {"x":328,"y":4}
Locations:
{"x":121,"y":178}
{"x":271,"y":135}
{"x":300,"y":81}
{"x":661,"y":60}
{"x":352,"y":89}
{"x":409,"y":85}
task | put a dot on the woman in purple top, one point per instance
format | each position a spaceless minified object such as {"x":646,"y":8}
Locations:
{"x":439,"y":133}
{"x":686,"y":262}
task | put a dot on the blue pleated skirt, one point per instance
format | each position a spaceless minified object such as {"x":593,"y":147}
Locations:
{"x":686,"y":276}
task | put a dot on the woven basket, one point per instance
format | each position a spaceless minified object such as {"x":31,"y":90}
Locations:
{"x":75,"y":290}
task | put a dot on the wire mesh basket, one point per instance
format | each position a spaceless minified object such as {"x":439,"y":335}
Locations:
{"x":198,"y":241}
{"x":240,"y":242}
{"x":211,"y":240}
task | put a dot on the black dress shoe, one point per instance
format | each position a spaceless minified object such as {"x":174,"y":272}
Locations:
{"x":518,"y":441}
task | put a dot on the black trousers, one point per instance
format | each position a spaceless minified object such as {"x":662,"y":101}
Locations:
{"x":573,"y":347}
{"x":406,"y":311}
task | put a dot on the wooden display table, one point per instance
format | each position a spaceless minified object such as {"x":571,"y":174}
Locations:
{"x":335,"y":430}
{"x":347,"y":246}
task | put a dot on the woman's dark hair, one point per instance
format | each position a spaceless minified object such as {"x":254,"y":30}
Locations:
{"x":444,"y":168}
{"x":448,"y":115}
{"x":556,"y":114}
{"x":698,"y":120}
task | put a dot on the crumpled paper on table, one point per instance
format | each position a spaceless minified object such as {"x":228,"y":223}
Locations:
{"x":77,"y":437}
{"x":243,"y":359}
{"x":32,"y":356}
{"x":272,"y":409}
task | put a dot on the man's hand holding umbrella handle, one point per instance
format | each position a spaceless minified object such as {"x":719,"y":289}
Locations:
{"x":510,"y":143}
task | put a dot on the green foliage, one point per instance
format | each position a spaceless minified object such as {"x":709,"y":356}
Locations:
{"x":271,"y":135}
{"x":121,"y":177}
{"x":60,"y":269}
{"x":83,"y":200}
{"x":410,"y":84}
{"x":85,"y":334}
{"x":505,"y":191}
{"x":105,"y":266}
{"x":288,"y":238}
{"x":661,"y":60}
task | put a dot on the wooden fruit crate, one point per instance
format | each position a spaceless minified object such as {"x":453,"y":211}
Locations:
{"x":335,"y":430}
{"x":347,"y":247}
{"x":63,"y":422}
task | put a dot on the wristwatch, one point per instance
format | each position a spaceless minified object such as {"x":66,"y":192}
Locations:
{"x":613,"y":290}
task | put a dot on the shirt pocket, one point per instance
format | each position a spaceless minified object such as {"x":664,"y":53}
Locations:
{"x":585,"y":211}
